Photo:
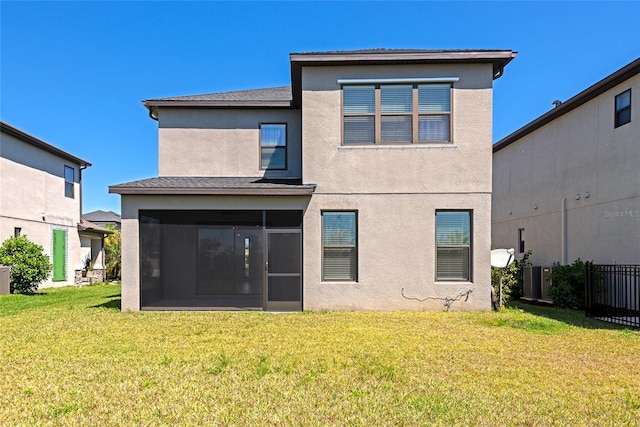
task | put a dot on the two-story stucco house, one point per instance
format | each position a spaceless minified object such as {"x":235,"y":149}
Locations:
{"x":567,"y":185}
{"x":40,"y":188}
{"x":365,"y":185}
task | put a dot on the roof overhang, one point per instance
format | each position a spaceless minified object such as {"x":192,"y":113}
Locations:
{"x":153,"y":106}
{"x":267,"y":98}
{"x":586,"y":95}
{"x":498,"y":58}
{"x":187,"y":191}
{"x":30,"y":139}
{"x":211,"y":186}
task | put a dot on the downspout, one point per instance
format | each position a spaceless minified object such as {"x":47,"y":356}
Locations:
{"x":499,"y":74}
{"x":152,"y":116}
{"x":563,"y":232}
{"x":82,"y":167}
{"x":103,"y":259}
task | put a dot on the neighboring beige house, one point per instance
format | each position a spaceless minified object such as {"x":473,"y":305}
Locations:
{"x":567,"y":185}
{"x":366,"y":185}
{"x":41,"y":189}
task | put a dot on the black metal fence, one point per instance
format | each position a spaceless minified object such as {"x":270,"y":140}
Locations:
{"x":613,"y":293}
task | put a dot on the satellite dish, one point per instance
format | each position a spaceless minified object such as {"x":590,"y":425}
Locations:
{"x":502,"y":258}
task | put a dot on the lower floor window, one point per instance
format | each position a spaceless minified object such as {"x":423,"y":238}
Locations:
{"x":453,"y":245}
{"x":339,"y":246}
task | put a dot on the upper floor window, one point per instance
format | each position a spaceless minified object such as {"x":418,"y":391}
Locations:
{"x":69,"y":179}
{"x":273,"y":146}
{"x":521,"y":240}
{"x":623,"y":108}
{"x":396,"y":113}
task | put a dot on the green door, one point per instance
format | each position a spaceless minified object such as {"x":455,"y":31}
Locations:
{"x":59,"y":255}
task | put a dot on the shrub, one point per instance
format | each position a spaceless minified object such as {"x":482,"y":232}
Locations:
{"x":512,"y":279}
{"x":112,"y":247}
{"x":29,"y":265}
{"x":567,"y":289}
{"x":518,"y":290}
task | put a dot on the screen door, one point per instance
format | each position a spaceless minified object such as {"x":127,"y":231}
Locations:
{"x":284,"y":270}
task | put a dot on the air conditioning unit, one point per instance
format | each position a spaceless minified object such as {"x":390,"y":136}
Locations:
{"x":531,"y":286}
{"x":546,"y":283}
{"x":5,"y":278}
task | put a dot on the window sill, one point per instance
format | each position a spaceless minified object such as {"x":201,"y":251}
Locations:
{"x":398,"y":147}
{"x":453,"y":282}
{"x":339,"y":282}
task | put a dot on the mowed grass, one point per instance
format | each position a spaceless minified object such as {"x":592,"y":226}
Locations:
{"x":70,"y":357}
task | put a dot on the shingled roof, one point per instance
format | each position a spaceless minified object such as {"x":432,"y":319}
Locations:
{"x":280,"y":94}
{"x":102,"y":216}
{"x":189,"y":185}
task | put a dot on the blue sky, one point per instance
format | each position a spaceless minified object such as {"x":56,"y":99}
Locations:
{"x":74,"y":73}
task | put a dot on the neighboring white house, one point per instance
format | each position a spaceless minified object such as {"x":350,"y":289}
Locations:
{"x":40,"y":188}
{"x":365,"y":185}
{"x":567,"y":185}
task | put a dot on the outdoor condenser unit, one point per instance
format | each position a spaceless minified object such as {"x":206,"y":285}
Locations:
{"x":531,"y":285}
{"x":5,"y":275}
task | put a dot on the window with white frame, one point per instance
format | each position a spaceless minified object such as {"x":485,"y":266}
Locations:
{"x":339,"y":246}
{"x":623,"y":108}
{"x":396,"y":113}
{"x":453,"y":245}
{"x":69,"y":179}
{"x":521,"y":240}
{"x":273,"y":146}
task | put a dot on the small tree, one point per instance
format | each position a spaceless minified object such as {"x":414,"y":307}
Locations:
{"x":29,"y":265}
{"x":112,"y":248}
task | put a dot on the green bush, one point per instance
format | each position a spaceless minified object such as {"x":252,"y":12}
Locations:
{"x":112,"y":246}
{"x":512,"y":279}
{"x":567,"y":289}
{"x":29,"y":265}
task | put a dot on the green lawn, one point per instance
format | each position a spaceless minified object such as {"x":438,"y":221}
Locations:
{"x":69,"y":357}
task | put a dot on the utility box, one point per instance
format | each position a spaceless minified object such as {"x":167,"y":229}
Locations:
{"x":5,"y":277}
